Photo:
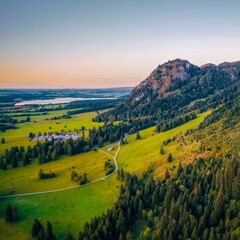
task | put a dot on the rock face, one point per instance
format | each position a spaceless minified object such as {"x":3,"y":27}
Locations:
{"x":165,"y":77}
{"x":177,"y":87}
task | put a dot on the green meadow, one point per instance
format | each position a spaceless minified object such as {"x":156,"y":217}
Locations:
{"x":138,"y":156}
{"x":66,"y":210}
{"x":25,"y":179}
{"x":70,"y":209}
{"x":19,"y":136}
{"x":40,"y":116}
{"x":13,"y":232}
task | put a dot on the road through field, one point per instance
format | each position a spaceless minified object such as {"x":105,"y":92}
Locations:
{"x":64,"y":189}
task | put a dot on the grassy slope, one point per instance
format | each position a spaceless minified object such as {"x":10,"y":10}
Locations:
{"x":25,"y":179}
{"x":10,"y":231}
{"x":19,"y":136}
{"x":71,"y":209}
{"x":138,"y":155}
{"x":67,"y":210}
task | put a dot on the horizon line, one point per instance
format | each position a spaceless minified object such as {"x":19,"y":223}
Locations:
{"x":85,"y":88}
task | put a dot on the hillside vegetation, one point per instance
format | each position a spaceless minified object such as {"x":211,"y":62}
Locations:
{"x":179,"y":164}
{"x":177,"y":87}
{"x":138,"y":156}
{"x":199,"y":201}
{"x":67,"y":211}
{"x":94,"y":166}
{"x":26,"y":179}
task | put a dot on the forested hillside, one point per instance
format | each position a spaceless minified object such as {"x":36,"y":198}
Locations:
{"x":183,"y":180}
{"x":199,"y":201}
{"x":177,"y":87}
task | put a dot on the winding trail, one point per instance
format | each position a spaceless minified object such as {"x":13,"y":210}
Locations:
{"x":78,"y":186}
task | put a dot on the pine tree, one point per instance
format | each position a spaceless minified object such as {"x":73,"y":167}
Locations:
{"x":236,"y":186}
{"x":120,"y":237}
{"x":111,"y":138}
{"x":15,"y":161}
{"x":158,"y":127}
{"x":169,"y":158}
{"x":41,"y":235}
{"x":30,"y":135}
{"x":69,"y":236}
{"x":69,"y":150}
{"x":100,"y":142}
{"x":167,"y":175}
{"x":129,"y":236}
{"x":41,"y":174}
{"x":179,"y":170}
{"x":168,"y":199}
{"x":49,"y":156}
{"x":162,"y":152}
{"x":54,"y":154}
{"x":122,"y":141}
{"x":212,"y":235}
{"x":1,"y":162}
{"x":8,"y":216}
{"x":138,"y":135}
{"x":14,"y":214}
{"x":25,"y":159}
{"x":49,"y":232}
{"x":121,"y":223}
{"x":228,"y":177}
{"x":7,"y":157}
{"x":216,"y":214}
{"x":37,"y":226}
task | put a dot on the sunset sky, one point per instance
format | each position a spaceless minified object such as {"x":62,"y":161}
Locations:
{"x":108,"y":43}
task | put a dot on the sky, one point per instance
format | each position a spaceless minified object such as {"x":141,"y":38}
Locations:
{"x":110,"y":43}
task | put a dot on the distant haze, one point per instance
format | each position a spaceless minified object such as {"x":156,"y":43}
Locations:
{"x":105,"y":43}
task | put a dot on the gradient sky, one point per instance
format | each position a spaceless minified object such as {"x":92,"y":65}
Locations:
{"x":110,"y":43}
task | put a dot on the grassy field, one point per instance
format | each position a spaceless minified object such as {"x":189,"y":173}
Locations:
{"x":9,"y":231}
{"x":67,"y":210}
{"x":49,"y":115}
{"x":19,"y":136}
{"x":25,"y":179}
{"x":140,"y":155}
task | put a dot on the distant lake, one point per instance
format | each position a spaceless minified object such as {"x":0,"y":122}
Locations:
{"x":57,"y":101}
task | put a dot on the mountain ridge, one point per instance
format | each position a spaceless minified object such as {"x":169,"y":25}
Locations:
{"x":176,"y":84}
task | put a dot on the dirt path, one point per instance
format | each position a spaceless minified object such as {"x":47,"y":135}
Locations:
{"x":78,"y":186}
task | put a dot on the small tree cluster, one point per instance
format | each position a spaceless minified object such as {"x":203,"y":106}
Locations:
{"x":11,"y":214}
{"x":43,"y":175}
{"x":109,"y":167}
{"x":170,"y":158}
{"x":138,"y":135}
{"x":81,"y":179}
{"x":39,"y":232}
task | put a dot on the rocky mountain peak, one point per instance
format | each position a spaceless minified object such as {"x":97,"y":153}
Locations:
{"x":166,"y":76}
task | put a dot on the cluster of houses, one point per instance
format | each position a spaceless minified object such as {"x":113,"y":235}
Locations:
{"x":59,"y":137}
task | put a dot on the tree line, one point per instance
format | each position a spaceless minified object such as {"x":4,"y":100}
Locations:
{"x":48,"y":151}
{"x":162,"y":126}
{"x":201,"y":201}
